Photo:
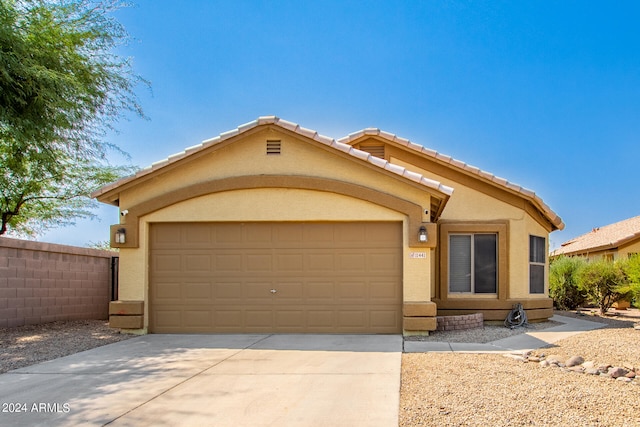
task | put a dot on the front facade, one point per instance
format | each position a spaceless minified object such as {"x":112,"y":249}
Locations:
{"x":274,"y":228}
{"x":610,"y":242}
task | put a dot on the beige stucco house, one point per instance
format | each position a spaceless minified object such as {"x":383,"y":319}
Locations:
{"x":610,"y":242}
{"x":272,"y":227}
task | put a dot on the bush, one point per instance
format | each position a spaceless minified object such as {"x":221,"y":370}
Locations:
{"x":563,"y":287}
{"x":604,"y":283}
{"x":632,"y":270}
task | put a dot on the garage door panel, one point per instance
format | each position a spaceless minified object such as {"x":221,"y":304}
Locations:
{"x":346,"y":291}
{"x":327,"y":277}
{"x":229,"y":292}
{"x":382,"y":292}
{"x":168,"y":291}
{"x":290,"y":320}
{"x":320,"y":262}
{"x":257,"y":292}
{"x":168,"y":263}
{"x":258,"y":319}
{"x":198,"y":262}
{"x":197,"y":235}
{"x":291,"y":262}
{"x":199,"y":292}
{"x":227,"y":263}
{"x":228,"y":318}
{"x":259,"y":263}
{"x":319,"y":292}
{"x":197,"y":318}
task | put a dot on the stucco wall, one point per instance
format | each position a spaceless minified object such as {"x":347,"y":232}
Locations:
{"x":44,"y":282}
{"x":468,"y":204}
{"x":631,"y":248}
{"x":246,"y":157}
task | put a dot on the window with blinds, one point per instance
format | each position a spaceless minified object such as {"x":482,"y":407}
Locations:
{"x":473,"y":263}
{"x":537,"y":261}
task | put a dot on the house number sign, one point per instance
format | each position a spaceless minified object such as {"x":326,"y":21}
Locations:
{"x":417,"y":255}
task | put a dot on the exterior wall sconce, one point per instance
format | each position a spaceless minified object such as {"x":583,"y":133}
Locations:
{"x":121,"y":236}
{"x":422,"y":235}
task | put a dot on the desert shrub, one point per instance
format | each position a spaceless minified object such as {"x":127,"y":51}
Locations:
{"x":604,"y":283}
{"x":632,"y":270}
{"x":563,"y":286}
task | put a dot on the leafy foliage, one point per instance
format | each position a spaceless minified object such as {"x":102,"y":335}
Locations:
{"x":604,"y":283}
{"x":61,"y":89}
{"x":632,"y":270}
{"x":563,"y":287}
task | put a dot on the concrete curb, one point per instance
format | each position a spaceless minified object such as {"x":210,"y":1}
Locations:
{"x":523,"y":342}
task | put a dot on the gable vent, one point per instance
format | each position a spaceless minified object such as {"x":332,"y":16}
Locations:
{"x":273,"y":147}
{"x":376,"y":150}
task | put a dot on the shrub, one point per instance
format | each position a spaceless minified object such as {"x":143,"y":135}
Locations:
{"x":604,"y":283}
{"x":632,"y":270}
{"x":563,"y":287}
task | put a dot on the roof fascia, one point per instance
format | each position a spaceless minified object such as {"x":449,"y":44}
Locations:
{"x":459,"y":167}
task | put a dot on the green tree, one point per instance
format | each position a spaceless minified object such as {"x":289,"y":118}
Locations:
{"x":62,"y":88}
{"x":563,"y":286}
{"x":632,"y":270}
{"x":604,"y":283}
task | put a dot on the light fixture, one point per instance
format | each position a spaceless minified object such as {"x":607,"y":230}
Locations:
{"x":121,"y":236}
{"x":422,"y":235}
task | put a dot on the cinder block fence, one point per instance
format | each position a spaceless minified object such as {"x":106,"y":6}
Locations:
{"x":45,"y":282}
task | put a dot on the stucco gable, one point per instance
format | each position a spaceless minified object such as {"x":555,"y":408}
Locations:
{"x":355,"y":138}
{"x":107,"y":193}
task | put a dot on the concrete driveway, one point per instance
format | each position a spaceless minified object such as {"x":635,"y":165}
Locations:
{"x":213,"y":380}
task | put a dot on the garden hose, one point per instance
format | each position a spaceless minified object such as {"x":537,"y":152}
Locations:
{"x":517,"y":317}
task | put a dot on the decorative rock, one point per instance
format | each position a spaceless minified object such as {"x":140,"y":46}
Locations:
{"x":576,"y":364}
{"x":554,"y":359}
{"x":575,"y":361}
{"x":617,"y":372}
{"x":604,"y":368}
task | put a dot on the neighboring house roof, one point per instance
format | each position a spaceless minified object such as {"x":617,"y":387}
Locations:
{"x":308,"y":133}
{"x":344,"y":146}
{"x":602,"y":238}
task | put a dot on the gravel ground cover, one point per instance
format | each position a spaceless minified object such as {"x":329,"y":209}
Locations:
{"x":446,"y":389}
{"x":28,"y":345}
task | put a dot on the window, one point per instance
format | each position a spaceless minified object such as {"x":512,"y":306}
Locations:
{"x":473,"y":263}
{"x":537,"y":261}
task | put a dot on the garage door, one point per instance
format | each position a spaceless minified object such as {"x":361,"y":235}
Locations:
{"x":276,"y":277}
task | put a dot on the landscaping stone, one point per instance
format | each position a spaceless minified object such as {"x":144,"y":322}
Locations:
{"x":577,"y":364}
{"x":575,"y":361}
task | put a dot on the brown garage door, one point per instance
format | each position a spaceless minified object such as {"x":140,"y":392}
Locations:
{"x":276,"y":277}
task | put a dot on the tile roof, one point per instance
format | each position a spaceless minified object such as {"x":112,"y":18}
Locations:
{"x":606,"y":237}
{"x":309,"y":133}
{"x":463,"y":167}
{"x":344,"y":146}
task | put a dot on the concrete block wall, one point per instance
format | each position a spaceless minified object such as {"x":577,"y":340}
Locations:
{"x":465,"y":321}
{"x":45,"y":282}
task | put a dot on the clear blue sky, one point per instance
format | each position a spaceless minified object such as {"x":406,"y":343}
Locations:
{"x":543,"y":93}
